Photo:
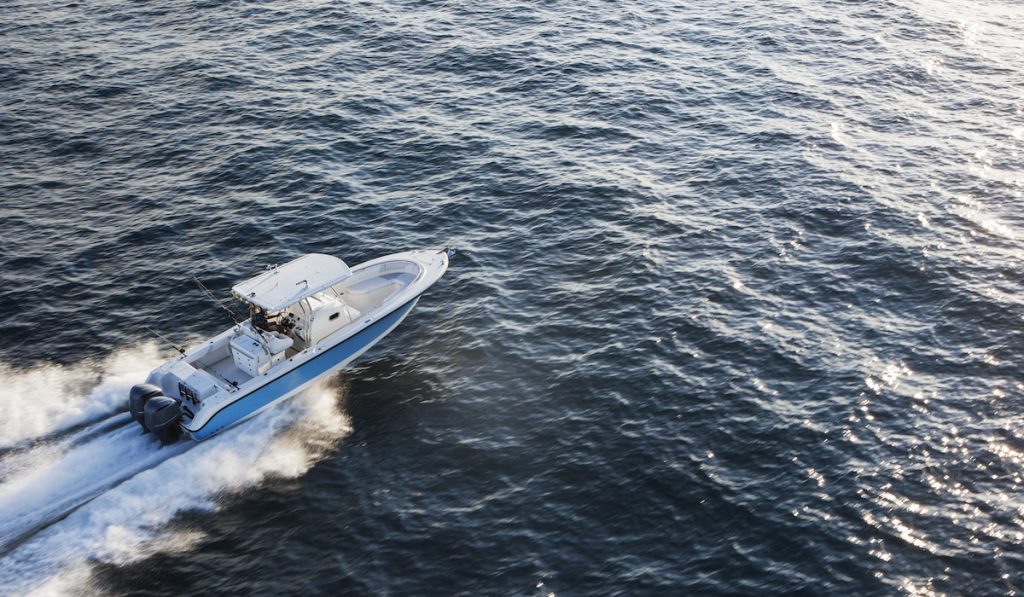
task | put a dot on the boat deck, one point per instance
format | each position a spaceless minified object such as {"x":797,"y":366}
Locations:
{"x":226,"y":371}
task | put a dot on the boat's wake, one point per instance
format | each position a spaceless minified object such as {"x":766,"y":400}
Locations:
{"x":88,"y":485}
{"x":46,"y":401}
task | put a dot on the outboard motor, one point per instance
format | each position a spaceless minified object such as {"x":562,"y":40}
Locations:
{"x":162,"y":414}
{"x":137,"y":399}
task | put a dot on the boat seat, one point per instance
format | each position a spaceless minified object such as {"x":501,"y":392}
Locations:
{"x":374,"y":285}
{"x":254,"y":353}
{"x":278,"y":342}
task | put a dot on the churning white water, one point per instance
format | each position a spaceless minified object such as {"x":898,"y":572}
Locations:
{"x":48,"y":399}
{"x":104,"y":491}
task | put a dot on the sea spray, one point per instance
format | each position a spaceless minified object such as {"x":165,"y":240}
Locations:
{"x":46,"y":399}
{"x":129,"y":521}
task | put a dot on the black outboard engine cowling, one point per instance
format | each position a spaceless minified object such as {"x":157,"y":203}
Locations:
{"x":162,"y":415}
{"x":137,"y":399}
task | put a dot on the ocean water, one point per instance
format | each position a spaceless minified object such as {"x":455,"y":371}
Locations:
{"x":737,"y":305}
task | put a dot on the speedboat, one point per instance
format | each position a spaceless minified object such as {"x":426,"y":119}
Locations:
{"x":307,"y":318}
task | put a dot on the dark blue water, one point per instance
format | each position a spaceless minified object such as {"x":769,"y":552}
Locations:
{"x":737,"y":306}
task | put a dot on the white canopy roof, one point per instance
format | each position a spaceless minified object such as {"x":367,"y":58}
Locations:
{"x":288,"y":284}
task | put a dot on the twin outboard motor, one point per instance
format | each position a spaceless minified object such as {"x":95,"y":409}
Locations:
{"x":155,"y":412}
{"x":137,"y":399}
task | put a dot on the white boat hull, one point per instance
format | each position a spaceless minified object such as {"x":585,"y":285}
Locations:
{"x":384,"y":291}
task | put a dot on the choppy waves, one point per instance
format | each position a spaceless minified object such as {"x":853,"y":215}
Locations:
{"x":736,"y":307}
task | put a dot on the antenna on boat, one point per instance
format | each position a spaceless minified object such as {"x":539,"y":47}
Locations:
{"x":209,"y":294}
{"x":164,"y":338}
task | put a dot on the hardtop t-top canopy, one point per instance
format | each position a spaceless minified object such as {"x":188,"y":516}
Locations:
{"x":285,"y":285}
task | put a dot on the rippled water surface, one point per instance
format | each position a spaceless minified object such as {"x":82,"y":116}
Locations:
{"x":737,"y":305}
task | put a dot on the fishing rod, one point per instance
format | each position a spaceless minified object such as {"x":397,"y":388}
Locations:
{"x":213,"y":298}
{"x":230,"y":313}
{"x":165,"y":339}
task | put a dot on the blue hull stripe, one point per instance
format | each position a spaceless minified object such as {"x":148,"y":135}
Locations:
{"x":301,"y":375}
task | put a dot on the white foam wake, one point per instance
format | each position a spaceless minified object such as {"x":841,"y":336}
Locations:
{"x":131,"y":488}
{"x":51,"y":398}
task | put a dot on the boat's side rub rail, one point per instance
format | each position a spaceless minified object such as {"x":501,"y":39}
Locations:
{"x":246,"y":405}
